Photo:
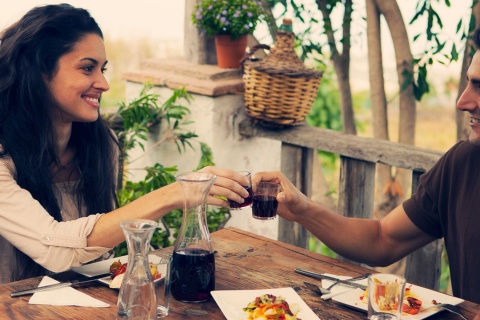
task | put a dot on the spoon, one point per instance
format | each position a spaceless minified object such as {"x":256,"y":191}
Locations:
{"x":318,"y":289}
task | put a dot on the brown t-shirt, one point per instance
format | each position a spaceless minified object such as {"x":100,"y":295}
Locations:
{"x":447,"y":204}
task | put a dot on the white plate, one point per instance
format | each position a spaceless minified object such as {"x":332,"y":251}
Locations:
{"x":232,"y":302}
{"x":352,"y":298}
{"x":92,"y":269}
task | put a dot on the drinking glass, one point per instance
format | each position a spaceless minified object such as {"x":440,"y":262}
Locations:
{"x":163,"y":263}
{"x":385,"y":296}
{"x":247,"y":201}
{"x":264,"y":204}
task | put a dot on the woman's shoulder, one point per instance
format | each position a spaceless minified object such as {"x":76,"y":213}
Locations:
{"x":6,"y":162}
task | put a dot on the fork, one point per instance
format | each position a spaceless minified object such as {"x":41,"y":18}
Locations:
{"x":446,"y":306}
{"x":327,"y":290}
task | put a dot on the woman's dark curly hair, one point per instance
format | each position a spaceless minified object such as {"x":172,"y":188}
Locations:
{"x":29,"y":53}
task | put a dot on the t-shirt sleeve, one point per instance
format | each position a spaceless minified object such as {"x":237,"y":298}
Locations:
{"x":423,"y":212}
{"x":423,"y":208}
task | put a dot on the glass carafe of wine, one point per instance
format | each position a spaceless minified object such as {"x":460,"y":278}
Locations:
{"x":193,"y":264}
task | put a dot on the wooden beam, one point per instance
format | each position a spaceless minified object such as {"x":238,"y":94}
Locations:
{"x":361,"y":148}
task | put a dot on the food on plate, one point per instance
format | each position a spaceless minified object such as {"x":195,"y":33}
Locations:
{"x":411,"y":303}
{"x":118,"y":269}
{"x":271,"y":307}
{"x":412,"y":306}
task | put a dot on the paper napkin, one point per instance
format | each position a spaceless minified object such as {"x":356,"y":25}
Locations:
{"x":338,"y":288}
{"x":64,"y":296}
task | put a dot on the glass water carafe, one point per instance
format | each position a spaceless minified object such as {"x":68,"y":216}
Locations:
{"x":136,"y":299}
{"x":193,"y":264}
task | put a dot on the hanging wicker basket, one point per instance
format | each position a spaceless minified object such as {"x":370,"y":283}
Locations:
{"x":279,"y":89}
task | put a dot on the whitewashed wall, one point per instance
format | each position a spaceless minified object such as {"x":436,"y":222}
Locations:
{"x":216,"y":122}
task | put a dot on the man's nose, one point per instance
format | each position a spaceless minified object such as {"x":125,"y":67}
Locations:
{"x":468,"y":100}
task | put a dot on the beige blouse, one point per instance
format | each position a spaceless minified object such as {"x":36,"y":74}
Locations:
{"x":24,"y":223}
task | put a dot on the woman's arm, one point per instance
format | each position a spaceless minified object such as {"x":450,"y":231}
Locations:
{"x":58,"y":246}
{"x":156,"y":204}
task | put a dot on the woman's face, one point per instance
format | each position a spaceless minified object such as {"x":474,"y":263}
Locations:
{"x":79,"y":82}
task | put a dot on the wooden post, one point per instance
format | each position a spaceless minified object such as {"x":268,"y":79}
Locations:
{"x":297,"y":165}
{"x":356,"y":190}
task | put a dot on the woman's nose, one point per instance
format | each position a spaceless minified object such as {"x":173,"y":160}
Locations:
{"x":101,"y":83}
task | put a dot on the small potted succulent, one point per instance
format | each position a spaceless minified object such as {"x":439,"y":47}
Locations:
{"x":229,"y":22}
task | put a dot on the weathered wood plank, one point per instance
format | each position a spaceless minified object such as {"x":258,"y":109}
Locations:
{"x":361,"y":148}
{"x":424,"y":265}
{"x":357,"y":188}
{"x":297,"y":165}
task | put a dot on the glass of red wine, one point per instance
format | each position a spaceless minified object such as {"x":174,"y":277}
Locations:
{"x":264,"y":204}
{"x":248,"y":200}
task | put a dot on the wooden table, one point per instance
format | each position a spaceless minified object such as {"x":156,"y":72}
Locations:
{"x":243,"y":261}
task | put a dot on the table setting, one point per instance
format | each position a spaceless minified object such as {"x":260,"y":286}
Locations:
{"x":246,"y":265}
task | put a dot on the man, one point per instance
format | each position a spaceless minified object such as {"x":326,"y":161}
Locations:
{"x":445,"y":205}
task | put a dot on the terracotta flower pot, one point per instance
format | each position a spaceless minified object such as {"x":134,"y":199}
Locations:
{"x":230,"y":51}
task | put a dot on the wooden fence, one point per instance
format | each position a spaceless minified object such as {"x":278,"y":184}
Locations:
{"x":358,"y":158}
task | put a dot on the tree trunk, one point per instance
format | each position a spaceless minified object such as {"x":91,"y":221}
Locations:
{"x":379,"y":103}
{"x":387,"y":196}
{"x":404,"y":59}
{"x":462,"y":117}
{"x":341,"y":62}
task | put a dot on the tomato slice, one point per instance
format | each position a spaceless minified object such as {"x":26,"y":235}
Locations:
{"x":413,"y":305}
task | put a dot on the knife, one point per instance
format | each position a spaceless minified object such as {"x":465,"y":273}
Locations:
{"x":321,"y":276}
{"x":59,"y":285}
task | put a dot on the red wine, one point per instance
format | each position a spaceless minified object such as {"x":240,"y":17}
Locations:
{"x":193,"y":275}
{"x":247,"y":201}
{"x":264,"y":207}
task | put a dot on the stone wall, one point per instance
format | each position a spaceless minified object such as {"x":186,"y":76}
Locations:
{"x":216,"y":109}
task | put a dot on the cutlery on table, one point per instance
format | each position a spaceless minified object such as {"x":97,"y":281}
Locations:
{"x":59,"y":285}
{"x":323,"y":291}
{"x":326,"y":293}
{"x":448,"y":307}
{"x":348,"y":282}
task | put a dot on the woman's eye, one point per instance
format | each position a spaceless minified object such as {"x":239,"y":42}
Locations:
{"x":88,"y":68}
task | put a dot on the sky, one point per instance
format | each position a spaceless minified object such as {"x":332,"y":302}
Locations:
{"x":156,"y":19}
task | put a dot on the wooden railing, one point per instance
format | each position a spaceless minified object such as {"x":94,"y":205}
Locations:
{"x":358,"y":158}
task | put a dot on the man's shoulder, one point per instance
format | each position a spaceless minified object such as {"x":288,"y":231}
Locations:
{"x":463,"y":148}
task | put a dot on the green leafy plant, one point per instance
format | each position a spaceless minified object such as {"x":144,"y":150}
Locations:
{"x":231,"y":17}
{"x":139,"y":118}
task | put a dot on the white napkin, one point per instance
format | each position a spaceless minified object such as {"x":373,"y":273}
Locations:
{"x":338,"y":288}
{"x":66,"y":296}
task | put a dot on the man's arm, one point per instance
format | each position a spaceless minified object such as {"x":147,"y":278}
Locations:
{"x":374,"y":242}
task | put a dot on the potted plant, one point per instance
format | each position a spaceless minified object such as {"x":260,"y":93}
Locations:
{"x":229,"y":22}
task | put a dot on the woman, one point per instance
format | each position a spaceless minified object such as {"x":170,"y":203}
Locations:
{"x":57,"y":156}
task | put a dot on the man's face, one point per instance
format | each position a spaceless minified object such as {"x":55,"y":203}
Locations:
{"x":470,"y":99}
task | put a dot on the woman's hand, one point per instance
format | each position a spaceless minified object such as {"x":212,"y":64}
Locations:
{"x":291,"y":202}
{"x":229,"y":184}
